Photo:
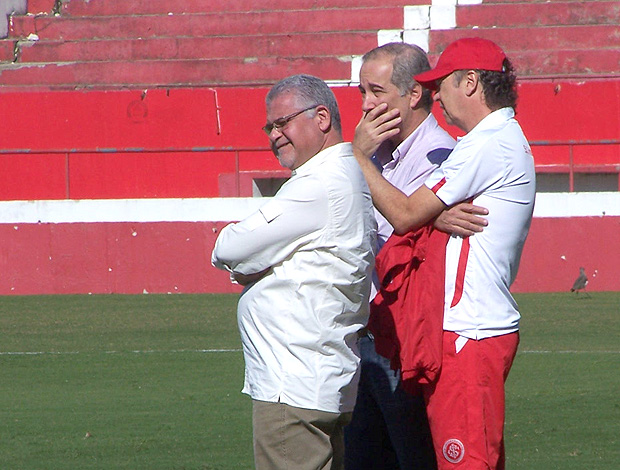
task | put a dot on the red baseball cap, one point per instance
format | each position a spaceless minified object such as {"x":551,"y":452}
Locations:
{"x":464,"y":54}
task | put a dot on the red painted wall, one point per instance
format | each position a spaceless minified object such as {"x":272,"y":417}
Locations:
{"x":40,"y":6}
{"x":557,"y":247}
{"x":175,"y":257}
{"x":182,"y":142}
{"x":126,"y":258}
{"x":178,"y":142}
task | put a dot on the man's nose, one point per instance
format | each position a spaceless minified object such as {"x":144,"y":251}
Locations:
{"x":274,"y":134}
{"x":369,"y":103}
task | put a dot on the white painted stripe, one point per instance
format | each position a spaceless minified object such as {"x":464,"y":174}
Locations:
{"x":72,"y":353}
{"x":386,"y":36}
{"x":356,"y":66}
{"x":567,"y":352}
{"x":215,"y":351}
{"x":418,"y":38}
{"x":233,"y":209}
{"x":577,"y":204}
{"x":469,"y":2}
{"x":417,"y":17}
{"x":443,"y":16}
{"x":128,"y":210}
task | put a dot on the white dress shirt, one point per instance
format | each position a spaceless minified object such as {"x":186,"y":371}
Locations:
{"x":408,"y":169}
{"x":299,"y":322}
{"x":410,"y":164}
{"x":492,"y":164}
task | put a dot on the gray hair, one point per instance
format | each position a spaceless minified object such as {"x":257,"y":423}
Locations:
{"x":408,"y":60}
{"x":309,"y":91}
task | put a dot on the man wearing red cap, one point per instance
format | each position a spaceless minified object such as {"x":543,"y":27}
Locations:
{"x":492,"y":166}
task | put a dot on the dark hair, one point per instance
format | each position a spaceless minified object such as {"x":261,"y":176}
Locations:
{"x":310,"y":91}
{"x":408,"y":60}
{"x":500,"y":88}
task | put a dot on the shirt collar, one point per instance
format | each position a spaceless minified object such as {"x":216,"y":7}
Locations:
{"x":337,"y":150}
{"x":495,"y":119}
{"x":417,"y":134}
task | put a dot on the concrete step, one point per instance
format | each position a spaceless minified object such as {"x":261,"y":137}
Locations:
{"x":289,"y":45}
{"x":166,"y":73}
{"x":565,"y":63}
{"x":586,"y":63}
{"x":528,"y":39}
{"x":266,"y":71}
{"x":37,"y":7}
{"x":539,"y":14}
{"x":207,"y":24}
{"x":501,"y":2}
{"x":150,"y":7}
{"x":7,"y":50}
{"x":295,"y":45}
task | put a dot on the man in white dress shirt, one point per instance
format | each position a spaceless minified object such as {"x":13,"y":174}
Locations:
{"x":305,"y":259}
{"x":389,"y":429}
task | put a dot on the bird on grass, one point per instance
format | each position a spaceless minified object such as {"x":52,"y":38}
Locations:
{"x":581,"y":282}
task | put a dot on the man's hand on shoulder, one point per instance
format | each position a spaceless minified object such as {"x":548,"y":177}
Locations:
{"x":374,"y":128}
{"x":462,"y":219}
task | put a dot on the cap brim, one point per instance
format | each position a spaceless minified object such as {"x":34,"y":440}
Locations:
{"x":429,"y":79}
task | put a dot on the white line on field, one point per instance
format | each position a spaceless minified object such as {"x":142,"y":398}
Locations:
{"x":68,"y":353}
{"x":567,"y":352}
{"x":211,"y":351}
{"x":150,"y":351}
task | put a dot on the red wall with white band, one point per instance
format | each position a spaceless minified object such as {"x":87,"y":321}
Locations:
{"x":161,"y":246}
{"x":125,"y":191}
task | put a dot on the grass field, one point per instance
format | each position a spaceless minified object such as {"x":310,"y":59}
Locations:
{"x":153,"y":382}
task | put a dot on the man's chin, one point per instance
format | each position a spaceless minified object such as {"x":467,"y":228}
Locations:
{"x":285,"y":162}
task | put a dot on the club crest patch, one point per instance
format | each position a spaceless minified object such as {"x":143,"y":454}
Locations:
{"x":453,"y":450}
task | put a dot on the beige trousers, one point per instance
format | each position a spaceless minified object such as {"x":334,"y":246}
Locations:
{"x":290,"y":438}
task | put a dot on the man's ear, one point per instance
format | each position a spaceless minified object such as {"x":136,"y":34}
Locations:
{"x":472,"y":82}
{"x":415,"y":95}
{"x":324,"y":117}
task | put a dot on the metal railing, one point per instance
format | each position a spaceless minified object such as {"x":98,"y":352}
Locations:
{"x":570,"y":167}
{"x":102,"y":150}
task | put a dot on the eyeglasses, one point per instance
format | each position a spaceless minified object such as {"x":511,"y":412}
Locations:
{"x":283,"y":121}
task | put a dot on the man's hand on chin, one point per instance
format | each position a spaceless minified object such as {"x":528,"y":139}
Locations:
{"x":375,"y":127}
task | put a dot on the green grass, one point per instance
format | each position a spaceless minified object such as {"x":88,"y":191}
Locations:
{"x":153,"y":382}
{"x":563,"y":393}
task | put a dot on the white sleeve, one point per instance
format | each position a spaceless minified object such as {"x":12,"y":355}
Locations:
{"x":276,"y":230}
{"x":466,"y":174}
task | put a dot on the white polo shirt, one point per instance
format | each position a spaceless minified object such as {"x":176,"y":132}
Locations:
{"x":299,"y":322}
{"x":493,"y":165}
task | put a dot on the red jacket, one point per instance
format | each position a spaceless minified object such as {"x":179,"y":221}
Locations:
{"x":406,"y":316}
